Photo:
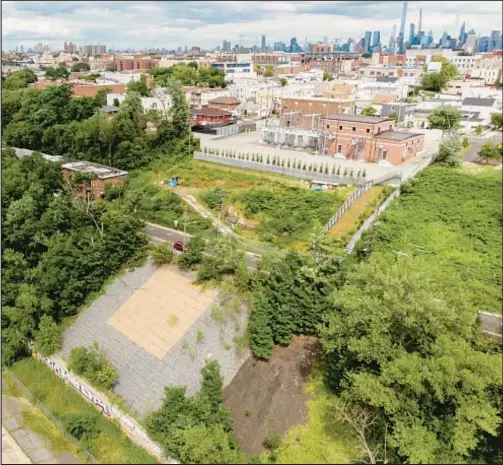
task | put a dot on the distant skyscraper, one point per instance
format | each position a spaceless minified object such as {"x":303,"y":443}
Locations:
{"x":366,"y":41}
{"x":411,"y":33}
{"x":471,"y":42}
{"x":376,"y":38}
{"x":294,"y":46}
{"x":263,"y":43}
{"x":462,"y":35}
{"x":495,"y":42}
{"x":402,"y":28}
{"x":420,"y":25}
{"x":391,"y":46}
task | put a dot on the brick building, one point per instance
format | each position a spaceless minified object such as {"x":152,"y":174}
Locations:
{"x":210,"y":117}
{"x":135,"y":63}
{"x":269,"y":59}
{"x":371,"y":139}
{"x":224,"y":103}
{"x":292,"y":108}
{"x":322,"y":48}
{"x":80,"y":90}
{"x":100,"y":176}
{"x":329,"y":62}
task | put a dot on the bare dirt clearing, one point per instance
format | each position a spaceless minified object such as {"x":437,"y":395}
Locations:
{"x":267,"y":398}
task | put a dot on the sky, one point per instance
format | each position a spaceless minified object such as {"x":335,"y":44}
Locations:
{"x":171,"y":24}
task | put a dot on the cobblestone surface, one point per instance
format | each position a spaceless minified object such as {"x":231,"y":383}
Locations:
{"x":142,"y":376}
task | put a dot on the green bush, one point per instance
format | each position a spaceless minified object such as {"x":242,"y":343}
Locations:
{"x":93,"y":365}
{"x":194,"y":255}
{"x":272,"y":442}
{"x":84,"y":425}
{"x":162,"y":254}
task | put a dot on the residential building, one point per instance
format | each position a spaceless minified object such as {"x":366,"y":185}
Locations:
{"x":483,"y":106}
{"x":329,"y":62}
{"x":129,"y":63}
{"x":234,"y":67}
{"x":92,"y":50}
{"x":488,"y":67}
{"x":224,"y":103}
{"x":198,"y":97}
{"x":210,"y":117}
{"x":269,"y":59}
{"x":101,"y":176}
{"x":68,"y":47}
{"x":322,"y":48}
{"x":403,"y":111}
{"x":371,"y":139}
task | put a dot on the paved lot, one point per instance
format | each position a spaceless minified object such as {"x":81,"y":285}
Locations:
{"x":143,"y":375}
{"x":23,"y":442}
{"x":473,"y":154}
{"x":156,"y":316}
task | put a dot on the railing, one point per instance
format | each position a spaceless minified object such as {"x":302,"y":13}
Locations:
{"x":355,"y":195}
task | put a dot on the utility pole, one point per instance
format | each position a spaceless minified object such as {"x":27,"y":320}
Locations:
{"x":184,"y":225}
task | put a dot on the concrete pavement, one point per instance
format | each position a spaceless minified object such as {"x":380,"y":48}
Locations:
{"x":29,"y":444}
{"x":11,"y":452}
{"x":473,"y":154}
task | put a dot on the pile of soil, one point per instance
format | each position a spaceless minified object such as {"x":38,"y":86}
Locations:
{"x":267,"y":398}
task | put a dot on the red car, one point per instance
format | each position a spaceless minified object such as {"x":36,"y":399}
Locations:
{"x":180,"y":246}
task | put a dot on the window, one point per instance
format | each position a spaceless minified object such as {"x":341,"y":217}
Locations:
{"x":368,"y":131}
{"x":340,"y":128}
{"x":384,"y":154}
{"x":353,"y":128}
{"x":339,"y":149}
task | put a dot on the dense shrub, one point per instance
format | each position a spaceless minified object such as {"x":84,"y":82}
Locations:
{"x":93,"y":365}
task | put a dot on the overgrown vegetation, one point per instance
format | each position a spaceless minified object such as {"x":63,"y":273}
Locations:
{"x":196,"y":429}
{"x":100,"y":436}
{"x":92,"y":364}
{"x":53,"y":121}
{"x":190,"y":75}
{"x":56,"y":251}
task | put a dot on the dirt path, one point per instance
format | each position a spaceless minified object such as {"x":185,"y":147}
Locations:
{"x":349,"y":219}
{"x":267,"y":398}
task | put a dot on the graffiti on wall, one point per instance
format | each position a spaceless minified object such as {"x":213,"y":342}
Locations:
{"x":109,"y":411}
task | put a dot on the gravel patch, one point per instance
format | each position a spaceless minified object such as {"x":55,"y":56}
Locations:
{"x":142,"y":376}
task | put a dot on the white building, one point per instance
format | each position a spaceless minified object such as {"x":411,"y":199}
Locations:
{"x":487,"y":68}
{"x":160,"y":100}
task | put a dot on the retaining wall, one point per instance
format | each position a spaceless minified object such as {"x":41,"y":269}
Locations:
{"x":277,"y":169}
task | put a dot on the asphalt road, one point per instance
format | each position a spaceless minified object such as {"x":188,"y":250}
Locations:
{"x":160,"y":234}
{"x":473,"y":154}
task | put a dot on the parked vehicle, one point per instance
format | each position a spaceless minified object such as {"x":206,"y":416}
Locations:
{"x":179,"y":245}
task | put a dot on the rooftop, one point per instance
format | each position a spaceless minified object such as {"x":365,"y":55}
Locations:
{"x":386,"y":79}
{"x":101,"y":171}
{"x":109,"y":109}
{"x":360,"y":119}
{"x":205,"y":111}
{"x":225,"y":100}
{"x":396,"y":135}
{"x":478,"y":102}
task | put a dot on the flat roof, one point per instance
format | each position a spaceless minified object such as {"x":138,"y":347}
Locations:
{"x":394,"y":135}
{"x":360,"y":119}
{"x":101,"y":171}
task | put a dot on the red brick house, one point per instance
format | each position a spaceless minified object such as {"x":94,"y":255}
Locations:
{"x":208,"y":116}
{"x":224,"y":103}
{"x":100,"y":176}
{"x":371,"y":139}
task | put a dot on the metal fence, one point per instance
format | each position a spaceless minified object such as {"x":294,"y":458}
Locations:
{"x":59,"y":426}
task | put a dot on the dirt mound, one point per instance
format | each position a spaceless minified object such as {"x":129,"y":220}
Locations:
{"x":267,"y":398}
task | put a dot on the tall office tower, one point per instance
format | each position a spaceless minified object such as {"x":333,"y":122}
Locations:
{"x":391,"y":46}
{"x":402,"y":28}
{"x":376,"y":38}
{"x":420,"y":25}
{"x":495,"y":42}
{"x":411,"y":33}
{"x":462,"y":35}
{"x":263,"y":43}
{"x":366,"y":41}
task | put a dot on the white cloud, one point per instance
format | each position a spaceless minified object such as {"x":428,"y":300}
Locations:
{"x":172,"y":24}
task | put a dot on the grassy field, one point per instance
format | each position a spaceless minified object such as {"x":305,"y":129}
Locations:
{"x":279,"y":211}
{"x":325,"y":438}
{"x":108,"y":444}
{"x":450,"y":220}
{"x":359,"y":211}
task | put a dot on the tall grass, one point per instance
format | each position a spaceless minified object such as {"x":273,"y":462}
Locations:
{"x":110,"y":445}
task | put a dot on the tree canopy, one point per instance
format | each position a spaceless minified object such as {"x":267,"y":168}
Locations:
{"x":80,"y":66}
{"x":445,"y":117}
{"x":189,"y":76}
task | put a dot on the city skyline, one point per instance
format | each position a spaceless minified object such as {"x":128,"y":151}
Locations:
{"x":206,"y":24}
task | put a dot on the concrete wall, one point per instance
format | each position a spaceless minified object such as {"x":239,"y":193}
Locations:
{"x":303,"y":174}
